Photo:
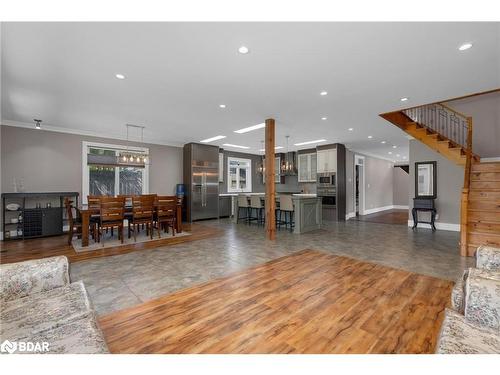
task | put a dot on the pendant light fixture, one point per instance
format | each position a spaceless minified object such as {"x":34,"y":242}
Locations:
{"x":132,"y":156}
{"x":261,"y":168}
{"x":288,"y":165}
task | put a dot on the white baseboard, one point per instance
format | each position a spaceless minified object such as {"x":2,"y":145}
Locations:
{"x":350,"y":215}
{"x":439,"y":226}
{"x":397,"y":207}
{"x":377,"y":209}
{"x":490,"y":160}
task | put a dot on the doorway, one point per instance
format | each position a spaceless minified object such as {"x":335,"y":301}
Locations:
{"x":359,"y":185}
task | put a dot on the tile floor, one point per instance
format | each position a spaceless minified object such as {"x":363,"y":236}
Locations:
{"x":122,"y":281}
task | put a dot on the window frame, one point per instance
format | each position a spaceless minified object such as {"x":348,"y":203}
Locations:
{"x":117,"y":148}
{"x":248,"y":189}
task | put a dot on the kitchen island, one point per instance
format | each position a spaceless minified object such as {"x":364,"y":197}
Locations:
{"x":307,"y":210}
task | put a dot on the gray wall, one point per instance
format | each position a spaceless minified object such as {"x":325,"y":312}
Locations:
{"x":450,"y":179}
{"x":349,"y":178}
{"x":378,"y":182}
{"x":400,"y":187}
{"x":52,"y":161}
{"x":291,"y":182}
{"x":485,"y":113}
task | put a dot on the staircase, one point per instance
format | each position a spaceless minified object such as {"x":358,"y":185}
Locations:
{"x":441,"y":128}
{"x":449,"y":133}
{"x":483,"y":226}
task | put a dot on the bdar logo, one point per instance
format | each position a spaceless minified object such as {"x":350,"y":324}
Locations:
{"x":8,"y":346}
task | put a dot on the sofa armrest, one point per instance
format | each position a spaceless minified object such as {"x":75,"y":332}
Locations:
{"x":21,"y":279}
{"x":488,"y":257}
{"x":482,"y":298}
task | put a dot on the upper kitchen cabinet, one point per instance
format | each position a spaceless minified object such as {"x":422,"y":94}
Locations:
{"x":306,"y":164}
{"x":277,"y":171}
{"x":327,"y":160}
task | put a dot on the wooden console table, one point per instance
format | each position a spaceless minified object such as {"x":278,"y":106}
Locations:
{"x":425,"y":205}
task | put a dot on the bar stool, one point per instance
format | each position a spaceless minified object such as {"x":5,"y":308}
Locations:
{"x":286,"y":206}
{"x":256,"y":204}
{"x":243,"y":205}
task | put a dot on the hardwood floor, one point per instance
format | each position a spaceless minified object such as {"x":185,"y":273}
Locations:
{"x":307,"y":302}
{"x":399,"y":217}
{"x":17,"y":251}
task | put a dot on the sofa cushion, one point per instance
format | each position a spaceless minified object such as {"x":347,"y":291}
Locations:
{"x":459,"y":336}
{"x":458,"y":292}
{"x":488,"y":257}
{"x":482,"y":298}
{"x":24,"y":317}
{"x":81,"y":336}
{"x":18,"y":280}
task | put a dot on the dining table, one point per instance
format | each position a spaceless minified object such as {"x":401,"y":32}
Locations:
{"x":86,"y":212}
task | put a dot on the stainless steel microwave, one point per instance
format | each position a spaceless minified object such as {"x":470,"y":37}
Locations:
{"x":326,"y":179}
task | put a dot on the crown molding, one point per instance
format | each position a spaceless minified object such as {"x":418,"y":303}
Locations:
{"x":58,"y":129}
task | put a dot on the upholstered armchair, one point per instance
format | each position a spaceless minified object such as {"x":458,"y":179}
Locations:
{"x":18,"y":280}
{"x":473,"y":324}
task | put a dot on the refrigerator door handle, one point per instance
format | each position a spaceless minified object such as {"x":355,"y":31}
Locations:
{"x":204,"y":189}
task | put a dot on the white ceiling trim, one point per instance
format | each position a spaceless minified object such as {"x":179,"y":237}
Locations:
{"x":87,"y":133}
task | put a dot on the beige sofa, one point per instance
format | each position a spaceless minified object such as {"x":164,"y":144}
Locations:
{"x":473,"y":323}
{"x":39,"y":304}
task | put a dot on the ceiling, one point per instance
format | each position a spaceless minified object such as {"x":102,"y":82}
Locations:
{"x":177,"y":75}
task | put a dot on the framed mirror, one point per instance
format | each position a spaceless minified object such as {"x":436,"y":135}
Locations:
{"x":425,"y":179}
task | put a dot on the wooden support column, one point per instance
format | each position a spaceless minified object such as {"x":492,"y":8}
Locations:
{"x":270,"y":186}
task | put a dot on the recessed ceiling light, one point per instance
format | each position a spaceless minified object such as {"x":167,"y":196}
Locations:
{"x":351,"y":129}
{"x":397,"y":155}
{"x":323,"y":93}
{"x":465,"y":46}
{"x":250,"y":128}
{"x":235,"y":146}
{"x":310,"y":142}
{"x":390,"y":152}
{"x":404,"y":99}
{"x":324,"y":118}
{"x":243,"y":50}
{"x":394,"y":146}
{"x":404,"y":157}
{"x":216,"y":138}
{"x":222,"y":106}
{"x":382,"y":142}
{"x":120,"y":76}
{"x":370,"y":136}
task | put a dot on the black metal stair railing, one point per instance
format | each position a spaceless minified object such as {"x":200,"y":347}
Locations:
{"x":442,"y":120}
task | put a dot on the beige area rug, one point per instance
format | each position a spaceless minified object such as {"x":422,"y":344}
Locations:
{"x":113,"y":241}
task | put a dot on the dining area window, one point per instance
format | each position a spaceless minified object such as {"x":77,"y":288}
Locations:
{"x":239,"y":175}
{"x":109,"y":170}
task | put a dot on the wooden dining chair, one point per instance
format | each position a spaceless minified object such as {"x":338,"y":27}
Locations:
{"x":166,"y":209}
{"x":94,"y":203}
{"x":142,"y":213}
{"x":75,"y":225}
{"x":111,"y":214}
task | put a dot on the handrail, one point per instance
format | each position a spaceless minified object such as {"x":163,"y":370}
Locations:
{"x":441,"y":119}
{"x":453,"y":110}
{"x":464,"y":206}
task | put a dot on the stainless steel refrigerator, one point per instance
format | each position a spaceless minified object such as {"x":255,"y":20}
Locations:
{"x":201,"y":178}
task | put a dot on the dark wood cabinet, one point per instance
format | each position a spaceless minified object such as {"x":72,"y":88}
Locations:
{"x":34,"y":218}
